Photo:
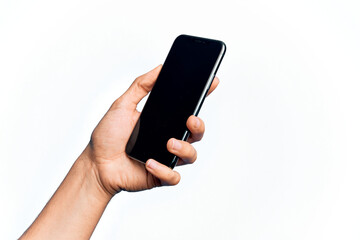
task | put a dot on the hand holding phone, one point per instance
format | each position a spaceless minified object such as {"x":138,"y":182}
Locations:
{"x":178,"y":93}
{"x":113,"y":169}
{"x":103,"y":169}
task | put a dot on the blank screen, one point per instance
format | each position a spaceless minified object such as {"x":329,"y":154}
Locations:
{"x":174,"y":97}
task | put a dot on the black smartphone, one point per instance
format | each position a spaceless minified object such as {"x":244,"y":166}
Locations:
{"x":178,"y":93}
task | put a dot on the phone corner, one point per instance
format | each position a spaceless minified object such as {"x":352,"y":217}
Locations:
{"x":179,"y":37}
{"x":223,"y":46}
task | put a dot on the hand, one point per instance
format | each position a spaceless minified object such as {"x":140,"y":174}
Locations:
{"x":114,"y":170}
{"x":104,"y":169}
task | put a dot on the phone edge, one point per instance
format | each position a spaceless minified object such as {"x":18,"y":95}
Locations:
{"x":203,"y":94}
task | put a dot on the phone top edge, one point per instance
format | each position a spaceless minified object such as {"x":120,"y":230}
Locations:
{"x":201,"y":38}
{"x":222,"y":51}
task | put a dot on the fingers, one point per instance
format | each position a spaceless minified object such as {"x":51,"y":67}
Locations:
{"x":196,"y":127}
{"x":214,"y":84}
{"x":141,"y":86}
{"x":184,"y":150}
{"x":166,"y":175}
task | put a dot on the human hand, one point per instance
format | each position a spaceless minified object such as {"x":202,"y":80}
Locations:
{"x":113,"y":169}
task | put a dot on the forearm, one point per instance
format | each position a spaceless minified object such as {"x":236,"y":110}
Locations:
{"x":75,"y":208}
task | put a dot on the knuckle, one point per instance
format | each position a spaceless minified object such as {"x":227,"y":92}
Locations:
{"x":199,"y":136}
{"x":196,"y":136}
{"x":192,"y":156}
{"x":169,"y":176}
{"x":119,"y":102}
{"x":143,"y":83}
{"x":138,"y":83}
{"x":190,"y":151}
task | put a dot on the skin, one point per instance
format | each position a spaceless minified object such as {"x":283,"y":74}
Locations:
{"x":103,"y":169}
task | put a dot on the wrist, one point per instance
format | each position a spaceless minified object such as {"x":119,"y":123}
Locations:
{"x":75,"y":208}
{"x":92,"y":181}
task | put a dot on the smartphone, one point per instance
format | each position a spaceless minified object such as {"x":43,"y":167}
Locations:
{"x":178,"y":93}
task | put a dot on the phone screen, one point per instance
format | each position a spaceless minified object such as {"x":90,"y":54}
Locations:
{"x":178,"y":93}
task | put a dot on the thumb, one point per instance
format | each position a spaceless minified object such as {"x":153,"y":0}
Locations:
{"x":141,"y":86}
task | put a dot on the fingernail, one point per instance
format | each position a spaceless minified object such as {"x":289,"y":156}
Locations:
{"x":176,"y":144}
{"x":197,"y":123}
{"x":151,"y":164}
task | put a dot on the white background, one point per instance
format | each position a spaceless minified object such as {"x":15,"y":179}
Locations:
{"x":281,"y":154}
